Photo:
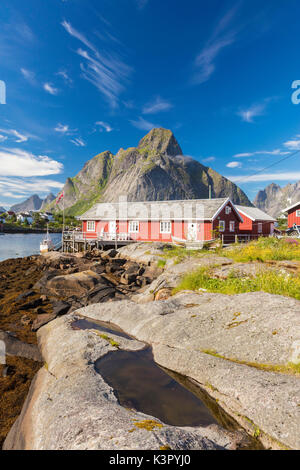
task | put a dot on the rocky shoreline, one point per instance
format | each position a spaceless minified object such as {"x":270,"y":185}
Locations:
{"x":233,"y":348}
{"x":37,"y":289}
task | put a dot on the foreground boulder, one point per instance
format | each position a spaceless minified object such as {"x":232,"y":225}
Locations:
{"x":70,"y":406}
{"x":76,"y":284}
{"x":242,"y":349}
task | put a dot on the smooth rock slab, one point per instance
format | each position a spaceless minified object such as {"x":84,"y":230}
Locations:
{"x":185,"y":332}
{"x":69,"y":405}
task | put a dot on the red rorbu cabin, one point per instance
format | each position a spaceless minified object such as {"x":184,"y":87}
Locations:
{"x":293,"y":215}
{"x":256,"y":223}
{"x":187,"y":220}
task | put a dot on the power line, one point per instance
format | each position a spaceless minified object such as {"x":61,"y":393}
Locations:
{"x":267,"y":167}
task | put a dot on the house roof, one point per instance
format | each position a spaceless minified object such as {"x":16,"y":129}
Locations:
{"x":194,"y":209}
{"x":291,"y":207}
{"x":254,"y":213}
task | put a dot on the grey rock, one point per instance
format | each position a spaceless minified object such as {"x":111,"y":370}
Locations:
{"x":223,"y":343}
{"x":70,"y":406}
{"x":15,"y":347}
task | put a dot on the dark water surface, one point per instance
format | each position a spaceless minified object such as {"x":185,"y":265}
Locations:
{"x":17,"y":245}
{"x":140,"y":384}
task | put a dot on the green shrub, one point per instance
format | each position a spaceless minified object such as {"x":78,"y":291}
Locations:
{"x":271,"y":282}
{"x":265,"y":249}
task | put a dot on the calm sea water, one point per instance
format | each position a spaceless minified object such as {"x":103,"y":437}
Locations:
{"x":17,"y":245}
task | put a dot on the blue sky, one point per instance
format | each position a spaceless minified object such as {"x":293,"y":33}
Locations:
{"x":84,"y":76}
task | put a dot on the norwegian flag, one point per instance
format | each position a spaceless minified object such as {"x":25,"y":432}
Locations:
{"x":59,"y":198}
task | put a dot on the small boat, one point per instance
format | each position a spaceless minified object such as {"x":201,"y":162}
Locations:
{"x":178,"y":241}
{"x":47,"y":244}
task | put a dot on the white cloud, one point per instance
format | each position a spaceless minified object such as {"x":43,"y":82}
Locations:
{"x":29,"y":76}
{"x":3,"y":138}
{"x":285,"y":176}
{"x":106,"y":71}
{"x":76,"y":34}
{"x":104,"y":126}
{"x":234,"y":165}
{"x":221,"y":38}
{"x":107,"y":74}
{"x":249,"y":114}
{"x":22,"y":187}
{"x":65,"y":76}
{"x":14,"y":195}
{"x":157,"y":106}
{"x":16,"y":162}
{"x":142,"y":124}
{"x":50,"y":89}
{"x":293,"y":144}
{"x":78,"y":142}
{"x":208,"y":159}
{"x":18,"y":137}
{"x":261,"y":152}
{"x":63,"y":129}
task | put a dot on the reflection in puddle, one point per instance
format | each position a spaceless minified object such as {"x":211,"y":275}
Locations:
{"x":89,"y":324}
{"x":140,"y":384}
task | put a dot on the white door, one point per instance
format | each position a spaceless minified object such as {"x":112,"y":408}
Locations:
{"x":113,"y":228}
{"x":192,"y":231}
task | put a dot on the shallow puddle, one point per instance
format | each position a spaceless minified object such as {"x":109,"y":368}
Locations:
{"x":140,"y":384}
{"x":89,"y":324}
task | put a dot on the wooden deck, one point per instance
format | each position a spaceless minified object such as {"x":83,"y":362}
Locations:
{"x":75,"y":242}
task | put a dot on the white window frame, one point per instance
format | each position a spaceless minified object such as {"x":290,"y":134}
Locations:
{"x":222,"y":225}
{"x":165,"y":226}
{"x":232,"y":226}
{"x":133,"y":226}
{"x":88,"y":226}
{"x":298,"y":213}
{"x":227,"y":210}
{"x":259,"y":227}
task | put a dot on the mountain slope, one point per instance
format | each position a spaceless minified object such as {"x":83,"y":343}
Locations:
{"x":33,"y":203}
{"x":47,"y":201}
{"x":273,"y":199}
{"x":155,"y":170}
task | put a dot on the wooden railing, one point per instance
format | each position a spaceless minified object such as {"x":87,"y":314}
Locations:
{"x":82,"y":236}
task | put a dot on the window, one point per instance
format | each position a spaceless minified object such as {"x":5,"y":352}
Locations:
{"x":227,"y":210}
{"x":91,"y":226}
{"x":231,"y":226}
{"x":165,"y":227}
{"x":222,"y":226}
{"x":134,"y":226}
{"x":297,"y":213}
{"x":259,"y":227}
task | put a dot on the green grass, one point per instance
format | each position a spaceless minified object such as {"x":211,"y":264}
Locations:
{"x":289,"y":368}
{"x":178,"y":253}
{"x":161,"y":263}
{"x":271,"y":282}
{"x":265,"y":249}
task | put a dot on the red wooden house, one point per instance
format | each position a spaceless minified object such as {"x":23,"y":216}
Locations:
{"x":192,"y":220}
{"x":256,"y":223}
{"x":293,"y":214}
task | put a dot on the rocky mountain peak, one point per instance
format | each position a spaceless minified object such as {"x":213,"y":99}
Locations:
{"x":33,"y":203}
{"x":161,"y":141}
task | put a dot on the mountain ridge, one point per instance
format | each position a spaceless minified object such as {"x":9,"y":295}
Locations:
{"x":274,"y":198}
{"x":33,"y":203}
{"x":154,"y":170}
